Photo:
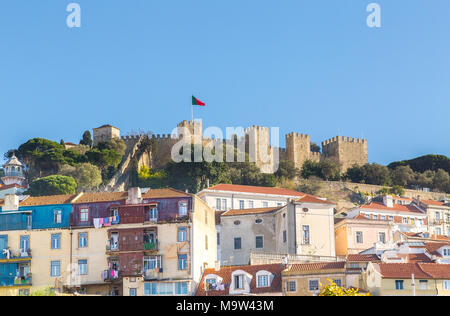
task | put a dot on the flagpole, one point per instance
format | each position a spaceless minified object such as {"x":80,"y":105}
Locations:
{"x":192,"y":110}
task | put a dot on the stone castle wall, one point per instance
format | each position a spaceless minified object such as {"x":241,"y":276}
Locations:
{"x":346,"y":151}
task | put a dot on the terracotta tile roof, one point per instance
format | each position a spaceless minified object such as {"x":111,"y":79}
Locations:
{"x":432,"y":202}
{"x":401,"y":270}
{"x":437,"y":271}
{"x":255,"y":189}
{"x":433,"y":247}
{"x":48,"y":200}
{"x":305,"y":267}
{"x":313,"y":199}
{"x":250,"y":211}
{"x":396,"y":208}
{"x":363,"y":258}
{"x":14,"y":185}
{"x":415,"y":257}
{"x":101,"y":197}
{"x":164,"y":193}
{"x":225,"y":274}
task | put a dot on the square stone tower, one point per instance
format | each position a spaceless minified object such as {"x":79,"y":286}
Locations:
{"x":105,"y":133}
{"x":346,"y":151}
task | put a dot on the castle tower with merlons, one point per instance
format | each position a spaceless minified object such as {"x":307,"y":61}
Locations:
{"x":345,"y":151}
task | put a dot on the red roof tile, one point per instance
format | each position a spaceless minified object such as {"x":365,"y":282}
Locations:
{"x":313,"y":199}
{"x":433,"y":247}
{"x":303,"y":267}
{"x":363,"y":258}
{"x":250,"y":211}
{"x":401,"y":270}
{"x":395,"y":208}
{"x":432,"y":202}
{"x":225,"y":274}
{"x":255,"y":189}
{"x":437,"y":271}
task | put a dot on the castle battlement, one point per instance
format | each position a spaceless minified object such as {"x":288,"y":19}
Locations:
{"x":297,"y":135}
{"x":344,"y":139}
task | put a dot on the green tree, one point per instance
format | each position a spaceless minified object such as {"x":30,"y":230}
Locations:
{"x":86,"y":139}
{"x":314,"y":148}
{"x":354,"y":174}
{"x":376,"y":174}
{"x":52,"y":185}
{"x":286,"y":170}
{"x":86,"y":175}
{"x":329,"y":170}
{"x":441,"y":181}
{"x":402,"y":175}
{"x":311,"y":168}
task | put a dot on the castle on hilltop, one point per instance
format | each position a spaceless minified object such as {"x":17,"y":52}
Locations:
{"x":346,"y":151}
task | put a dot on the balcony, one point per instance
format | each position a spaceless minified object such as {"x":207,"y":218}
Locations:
{"x":112,"y":245}
{"x":151,"y":246}
{"x":152,"y":274}
{"x":110,"y":275}
{"x":11,"y":256}
{"x":16,"y":280}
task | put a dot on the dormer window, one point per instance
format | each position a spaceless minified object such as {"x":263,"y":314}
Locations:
{"x":264,"y":278}
{"x":239,"y":282}
{"x":446,"y":252}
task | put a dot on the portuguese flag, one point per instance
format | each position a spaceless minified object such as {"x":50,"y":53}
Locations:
{"x":196,"y":101}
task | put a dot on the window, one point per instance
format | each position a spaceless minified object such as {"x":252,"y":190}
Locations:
{"x":263,"y":281}
{"x":182,"y":234}
{"x":218,"y":205}
{"x":29,"y":221}
{"x":291,"y":286}
{"x":338,"y":282}
{"x":383,"y":218}
{"x":259,"y":242}
{"x":114,"y":211}
{"x":305,"y":229}
{"x":367,"y":216}
{"x":56,"y":241}
{"x":57,"y":216}
{"x":391,"y":218}
{"x":446,"y":284}
{"x":24,"y":243}
{"x":241,"y":204}
{"x":84,"y":215}
{"x":182,"y":262}
{"x":182,"y":208}
{"x":359,"y":237}
{"x":132,"y":292}
{"x":405,"y":220}
{"x":375,"y":216}
{"x":399,"y":284}
{"x":382,"y":237}
{"x":152,"y":262}
{"x":437,"y":216}
{"x":55,"y":268}
{"x":82,"y":240}
{"x":224,"y":204}
{"x":313,"y":285}
{"x":238,"y":282}
{"x":237,"y":222}
{"x":237,"y":243}
{"x":258,"y":221}
{"x":82,"y":267}
{"x":284,"y":236}
{"x":250,"y":204}
{"x":265,"y":204}
{"x":438,"y":230}
{"x":24,"y":292}
{"x":153,"y":214}
{"x":279,"y":204}
{"x":423,"y":284}
{"x":181,"y":288}
{"x":446,"y":252}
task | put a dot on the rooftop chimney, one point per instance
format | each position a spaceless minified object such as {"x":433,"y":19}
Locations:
{"x":134,"y":196}
{"x":387,"y":200}
{"x":11,"y":202}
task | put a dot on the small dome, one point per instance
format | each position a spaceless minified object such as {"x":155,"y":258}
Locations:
{"x":13,"y":161}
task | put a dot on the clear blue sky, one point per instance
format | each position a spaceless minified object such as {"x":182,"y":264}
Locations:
{"x":310,"y":66}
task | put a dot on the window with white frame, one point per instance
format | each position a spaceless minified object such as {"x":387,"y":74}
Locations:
{"x":241,"y":204}
{"x":313,"y":285}
{"x":446,"y":284}
{"x":263,"y":280}
{"x":423,"y":284}
{"x":182,"y":208}
{"x":224,"y":205}
{"x":359,"y":237}
{"x":238,"y":282}
{"x":306,"y":237}
{"x":153,"y":214}
{"x":84,"y":215}
{"x":250,"y":204}
{"x":265,"y":204}
{"x":218,"y":204}
{"x":438,"y":231}
{"x":382,"y":237}
{"x":82,"y":267}
{"x":57,"y":216}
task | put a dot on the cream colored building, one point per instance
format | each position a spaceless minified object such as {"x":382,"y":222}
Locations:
{"x":438,"y":215}
{"x":407,"y":279}
{"x":305,"y":227}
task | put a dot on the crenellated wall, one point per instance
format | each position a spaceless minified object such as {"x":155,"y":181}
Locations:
{"x":346,"y":151}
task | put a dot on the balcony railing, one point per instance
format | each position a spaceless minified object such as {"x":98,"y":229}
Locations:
{"x":15,"y":281}
{"x":110,"y":275}
{"x":112,"y":246}
{"x":14,"y":255}
{"x":151,"y":246}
